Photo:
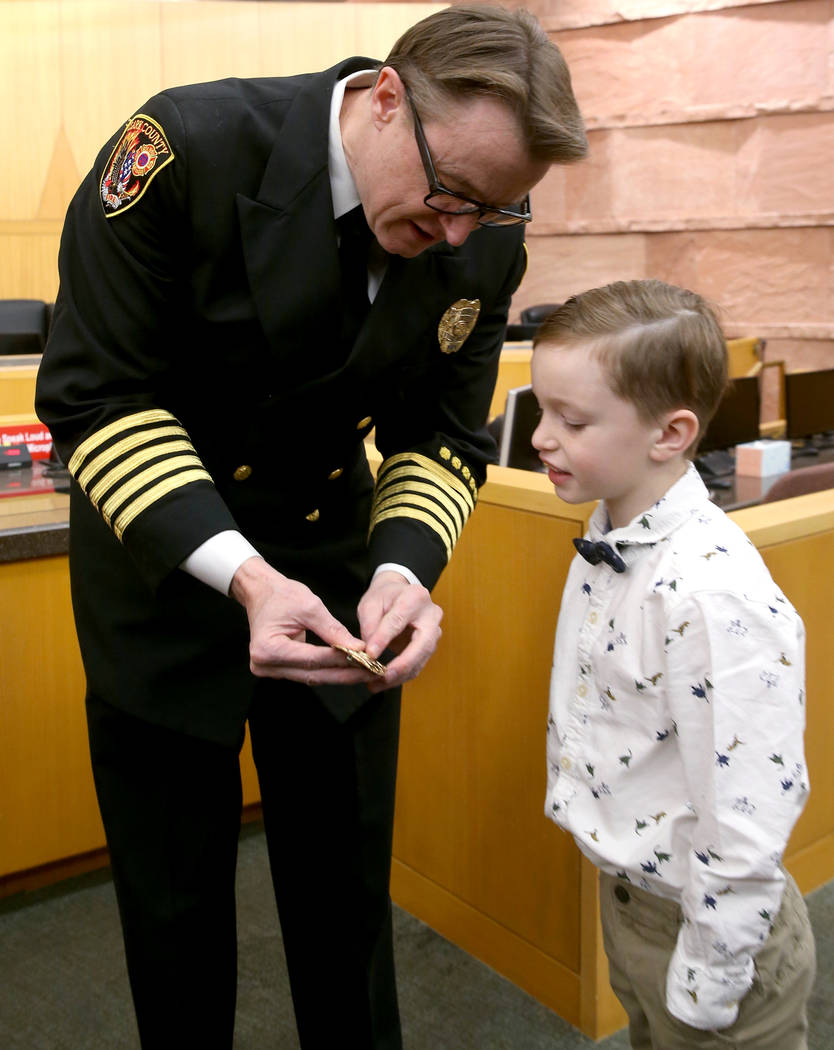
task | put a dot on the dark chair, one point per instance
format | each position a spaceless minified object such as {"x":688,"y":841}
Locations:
{"x":23,"y":326}
{"x":801,"y":481}
{"x":536,"y":314}
{"x":531,"y":318}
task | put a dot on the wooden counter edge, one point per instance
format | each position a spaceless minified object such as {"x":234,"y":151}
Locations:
{"x":765,"y":523}
{"x":789,"y":519}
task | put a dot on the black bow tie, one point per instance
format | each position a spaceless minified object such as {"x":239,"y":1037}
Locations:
{"x":600,"y":551}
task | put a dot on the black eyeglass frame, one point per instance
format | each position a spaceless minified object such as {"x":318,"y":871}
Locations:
{"x":437,"y":189}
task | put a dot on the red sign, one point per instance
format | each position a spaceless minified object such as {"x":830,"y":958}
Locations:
{"x":35,"y":436}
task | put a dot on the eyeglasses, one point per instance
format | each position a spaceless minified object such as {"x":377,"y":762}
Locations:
{"x":449,"y":203}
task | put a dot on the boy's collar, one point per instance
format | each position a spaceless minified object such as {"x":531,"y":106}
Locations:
{"x":676,"y":506}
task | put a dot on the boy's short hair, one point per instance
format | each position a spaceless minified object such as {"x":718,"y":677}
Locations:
{"x":474,"y":50}
{"x":661,"y":346}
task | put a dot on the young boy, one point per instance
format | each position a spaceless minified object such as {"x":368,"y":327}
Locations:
{"x":675,"y":752}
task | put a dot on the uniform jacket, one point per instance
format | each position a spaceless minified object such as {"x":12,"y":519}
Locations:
{"x":196,"y":379}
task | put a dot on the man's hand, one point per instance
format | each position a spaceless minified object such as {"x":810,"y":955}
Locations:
{"x":398,"y":615}
{"x":280,"y":613}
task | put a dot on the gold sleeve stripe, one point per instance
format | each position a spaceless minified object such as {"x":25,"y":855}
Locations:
{"x":424,"y":466}
{"x":404,"y":507}
{"x":126,"y":466}
{"x":413,"y":512}
{"x":412,"y":485}
{"x":451,"y":500}
{"x":139,"y":459}
{"x":424,"y":495}
{"x":141,"y":437}
{"x":118,"y":426}
{"x":175,"y":466}
{"x":426,"y":511}
{"x":152,"y":495}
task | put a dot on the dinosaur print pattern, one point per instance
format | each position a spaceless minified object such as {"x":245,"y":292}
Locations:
{"x":668,"y":683}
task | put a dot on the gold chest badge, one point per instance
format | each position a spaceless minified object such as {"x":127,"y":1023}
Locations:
{"x":456,"y":324}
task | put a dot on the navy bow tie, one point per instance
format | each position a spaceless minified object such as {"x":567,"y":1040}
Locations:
{"x":600,"y":551}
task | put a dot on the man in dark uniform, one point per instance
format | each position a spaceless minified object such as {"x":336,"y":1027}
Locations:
{"x":216,"y":359}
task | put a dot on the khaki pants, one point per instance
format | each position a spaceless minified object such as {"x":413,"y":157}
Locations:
{"x":640,"y":931}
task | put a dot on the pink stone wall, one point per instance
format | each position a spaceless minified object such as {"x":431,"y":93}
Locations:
{"x":773,"y":283}
{"x":711,"y":124}
{"x":750,"y":172}
{"x":563,"y":14}
{"x":731,"y":62}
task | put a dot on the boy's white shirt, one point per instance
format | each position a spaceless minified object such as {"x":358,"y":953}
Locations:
{"x":675,"y":737}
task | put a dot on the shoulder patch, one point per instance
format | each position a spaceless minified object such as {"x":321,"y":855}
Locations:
{"x":141,"y":152}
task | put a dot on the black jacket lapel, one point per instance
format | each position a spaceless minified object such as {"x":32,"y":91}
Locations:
{"x":288,"y":231}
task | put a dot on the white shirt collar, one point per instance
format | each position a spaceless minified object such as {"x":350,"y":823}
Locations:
{"x":681,"y":500}
{"x":342,"y":187}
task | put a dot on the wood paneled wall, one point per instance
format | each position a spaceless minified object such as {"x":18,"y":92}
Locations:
{"x":711,"y":125}
{"x":74,"y":70}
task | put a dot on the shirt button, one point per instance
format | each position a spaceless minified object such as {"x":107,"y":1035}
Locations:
{"x":242,"y":472}
{"x":592,"y":617}
{"x":337,"y":473}
{"x":622,"y":895}
{"x":314,"y":515}
{"x":364,"y":422}
{"x":566,"y":763}
{"x":582,"y":690}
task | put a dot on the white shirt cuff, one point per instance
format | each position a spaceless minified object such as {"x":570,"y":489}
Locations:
{"x":390,"y":566}
{"x":217,"y":560}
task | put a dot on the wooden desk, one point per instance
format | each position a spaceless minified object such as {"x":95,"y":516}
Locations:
{"x":49,"y":821}
{"x":733,"y":492}
{"x":474,"y":856}
{"x":513,"y":371}
{"x":17,"y":385}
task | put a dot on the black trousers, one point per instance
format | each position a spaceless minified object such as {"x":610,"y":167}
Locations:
{"x":171,"y":810}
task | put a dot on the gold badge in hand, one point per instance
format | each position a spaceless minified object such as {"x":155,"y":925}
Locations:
{"x":361,"y":659}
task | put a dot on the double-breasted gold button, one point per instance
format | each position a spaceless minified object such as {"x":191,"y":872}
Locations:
{"x":242,"y":472}
{"x":337,"y":473}
{"x":314,"y":515}
{"x":364,"y":422}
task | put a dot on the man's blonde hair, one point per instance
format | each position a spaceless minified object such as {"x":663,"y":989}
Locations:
{"x":661,"y":347}
{"x":465,"y":51}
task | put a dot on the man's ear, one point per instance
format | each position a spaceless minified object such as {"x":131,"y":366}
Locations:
{"x":387,"y":96}
{"x":677,"y":431}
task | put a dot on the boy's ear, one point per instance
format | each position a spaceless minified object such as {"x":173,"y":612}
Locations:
{"x":678,"y":430}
